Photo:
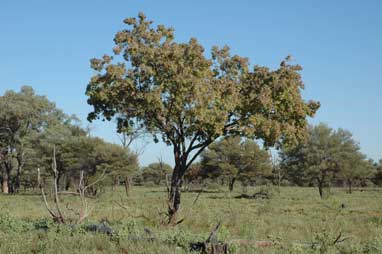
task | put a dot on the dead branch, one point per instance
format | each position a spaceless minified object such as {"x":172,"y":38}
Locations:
{"x":213,"y":232}
{"x":56,"y":199}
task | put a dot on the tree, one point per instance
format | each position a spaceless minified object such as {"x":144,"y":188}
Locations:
{"x":328,"y":154}
{"x":231,"y":157}
{"x":175,"y":92}
{"x":156,"y":172}
{"x":21,"y":114}
{"x":353,"y":165}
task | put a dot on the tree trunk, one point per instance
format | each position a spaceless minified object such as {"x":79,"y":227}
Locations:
{"x":5,"y":182}
{"x":127,"y":185}
{"x":320,"y":188}
{"x":350,"y":186}
{"x":115,"y":183}
{"x":20,"y":165}
{"x":17,"y":180}
{"x":174,"y":194}
{"x":231,"y":183}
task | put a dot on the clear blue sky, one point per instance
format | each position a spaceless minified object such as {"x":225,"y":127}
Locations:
{"x":47,"y":44}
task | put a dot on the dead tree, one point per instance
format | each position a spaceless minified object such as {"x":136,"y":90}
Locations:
{"x":57,"y":215}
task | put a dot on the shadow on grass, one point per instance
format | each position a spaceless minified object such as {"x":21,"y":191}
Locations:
{"x":188,"y":191}
{"x":259,"y":195}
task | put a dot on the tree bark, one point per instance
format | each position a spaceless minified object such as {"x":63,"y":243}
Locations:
{"x":231,"y":183}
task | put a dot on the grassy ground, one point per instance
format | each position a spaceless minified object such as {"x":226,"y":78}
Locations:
{"x":295,"y":220}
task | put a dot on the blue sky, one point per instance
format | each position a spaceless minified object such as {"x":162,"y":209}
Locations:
{"x":47,"y":45}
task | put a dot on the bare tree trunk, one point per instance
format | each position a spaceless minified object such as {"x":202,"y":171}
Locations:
{"x":127,"y":185}
{"x":320,"y":187}
{"x":5,"y":187}
{"x":20,"y":164}
{"x":232,"y":183}
{"x":320,"y":190}
{"x":115,"y":183}
{"x":174,"y":194}
{"x":350,"y":186}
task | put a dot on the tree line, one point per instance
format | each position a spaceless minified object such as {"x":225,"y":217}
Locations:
{"x":31,"y":125}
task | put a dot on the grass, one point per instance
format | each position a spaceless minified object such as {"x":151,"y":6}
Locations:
{"x":291,"y":220}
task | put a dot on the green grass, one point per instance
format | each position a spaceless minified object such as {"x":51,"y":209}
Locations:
{"x":291,"y":220}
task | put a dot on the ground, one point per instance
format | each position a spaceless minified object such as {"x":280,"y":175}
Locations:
{"x":295,"y":220}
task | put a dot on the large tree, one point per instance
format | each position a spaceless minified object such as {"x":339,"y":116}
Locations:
{"x":235,"y":158}
{"x":176,"y":92}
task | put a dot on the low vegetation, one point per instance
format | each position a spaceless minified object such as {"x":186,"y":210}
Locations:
{"x":295,"y":220}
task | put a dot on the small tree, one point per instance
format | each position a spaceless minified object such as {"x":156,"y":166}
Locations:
{"x":156,"y":172}
{"x":174,"y":91}
{"x":236,"y":159}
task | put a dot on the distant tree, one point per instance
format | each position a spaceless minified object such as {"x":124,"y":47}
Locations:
{"x":174,"y":91}
{"x":22,"y":114}
{"x":236,"y":159}
{"x":156,"y":172}
{"x":327,"y":154}
{"x":354,"y":166}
